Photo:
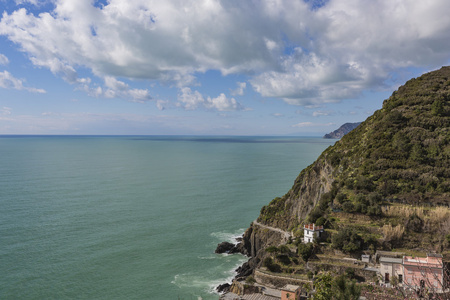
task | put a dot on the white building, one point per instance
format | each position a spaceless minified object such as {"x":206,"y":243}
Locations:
{"x":390,"y":267}
{"x":311,"y":231}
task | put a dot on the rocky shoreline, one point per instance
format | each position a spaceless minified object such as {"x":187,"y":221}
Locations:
{"x":255,"y":238}
{"x":240,"y":248}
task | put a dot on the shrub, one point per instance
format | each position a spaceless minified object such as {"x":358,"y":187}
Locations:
{"x":350,"y":273}
{"x":414,"y":223}
{"x":418,"y":154}
{"x":439,"y":214}
{"x":341,"y":198}
{"x":284,"y":249}
{"x":272,"y":249}
{"x":348,"y":207}
{"x":271,"y":265}
{"x":374,"y":210}
{"x":321,"y":221}
{"x":347,"y":240}
{"x":345,"y":289}
{"x":392,"y":233}
{"x":364,"y":184}
{"x":315,"y":214}
{"x":284,"y":259}
{"x":305,"y":251}
{"x":250,"y":280}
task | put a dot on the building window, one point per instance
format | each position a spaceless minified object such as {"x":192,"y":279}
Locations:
{"x":422,"y":283}
{"x":400,"y":278}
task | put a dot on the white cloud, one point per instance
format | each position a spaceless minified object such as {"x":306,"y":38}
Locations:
{"x":288,"y":49}
{"x":239,"y":91}
{"x":113,"y":89}
{"x":34,"y":2}
{"x":8,"y":81}
{"x":161,"y":104}
{"x":117,"y":88}
{"x":222,"y":103}
{"x":320,"y":113}
{"x":191,"y":100}
{"x":3,"y":60}
{"x":311,"y":124}
{"x":5,"y":111}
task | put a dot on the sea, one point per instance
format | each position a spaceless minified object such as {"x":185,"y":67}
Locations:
{"x":134,"y":217}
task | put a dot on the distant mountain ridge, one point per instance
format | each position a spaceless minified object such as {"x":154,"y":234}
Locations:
{"x":341,"y":131}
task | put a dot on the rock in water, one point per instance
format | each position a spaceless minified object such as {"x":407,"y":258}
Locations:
{"x":223,"y":288}
{"x":225,"y":247}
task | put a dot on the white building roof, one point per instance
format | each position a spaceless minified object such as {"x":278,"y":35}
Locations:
{"x":391,"y":260}
{"x":290,"y":288}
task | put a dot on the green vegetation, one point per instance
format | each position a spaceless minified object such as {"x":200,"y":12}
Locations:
{"x":305,"y":251}
{"x":347,"y":240}
{"x":398,"y":158}
{"x":345,"y":289}
{"x":271,"y":265}
{"x":339,"y":288}
{"x":323,"y":285}
{"x":403,"y":151}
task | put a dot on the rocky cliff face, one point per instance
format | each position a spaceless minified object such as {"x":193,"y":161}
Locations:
{"x":278,"y":221}
{"x":288,"y":211}
{"x":402,"y":152}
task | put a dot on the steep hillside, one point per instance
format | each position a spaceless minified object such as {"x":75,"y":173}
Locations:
{"x":385,"y":184}
{"x":401,"y":153}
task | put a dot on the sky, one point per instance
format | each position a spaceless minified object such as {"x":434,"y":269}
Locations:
{"x":210,"y":67}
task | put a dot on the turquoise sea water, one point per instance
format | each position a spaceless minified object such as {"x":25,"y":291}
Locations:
{"x":133,"y":217}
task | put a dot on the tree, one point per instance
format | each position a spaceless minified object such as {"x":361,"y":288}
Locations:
{"x":341,"y":288}
{"x":345,"y":289}
{"x":347,"y":240}
{"x":437,"y":108}
{"x":271,"y":265}
{"x":305,"y":251}
{"x":323,"y":285}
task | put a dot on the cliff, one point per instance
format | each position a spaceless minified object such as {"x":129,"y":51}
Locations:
{"x":400,"y":154}
{"x":341,"y":131}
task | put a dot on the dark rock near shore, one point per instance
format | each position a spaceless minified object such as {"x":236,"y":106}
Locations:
{"x":223,"y":288}
{"x":227,"y":247}
{"x":247,"y":268}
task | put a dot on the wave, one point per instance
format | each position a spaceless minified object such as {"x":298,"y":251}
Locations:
{"x":192,"y":282}
{"x":229,"y":236}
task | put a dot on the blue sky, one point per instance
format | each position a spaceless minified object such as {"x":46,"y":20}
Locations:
{"x":209,"y":67}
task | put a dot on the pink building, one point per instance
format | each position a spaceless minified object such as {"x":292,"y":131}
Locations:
{"x":290,"y":292}
{"x":424,"y":272}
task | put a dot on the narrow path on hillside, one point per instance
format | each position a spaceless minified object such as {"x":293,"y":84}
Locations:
{"x":286,"y":234}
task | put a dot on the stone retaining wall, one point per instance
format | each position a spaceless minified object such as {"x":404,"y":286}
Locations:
{"x":276,"y":281}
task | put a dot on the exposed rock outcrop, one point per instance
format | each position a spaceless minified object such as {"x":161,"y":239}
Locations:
{"x":288,"y":211}
{"x":223,"y":288}
{"x":227,"y":247}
